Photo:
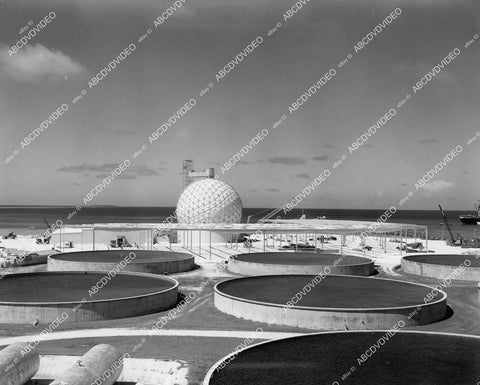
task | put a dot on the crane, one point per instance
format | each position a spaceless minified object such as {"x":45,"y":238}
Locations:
{"x":453,"y":241}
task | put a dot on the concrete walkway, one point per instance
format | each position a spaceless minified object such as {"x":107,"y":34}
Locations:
{"x":120,"y":332}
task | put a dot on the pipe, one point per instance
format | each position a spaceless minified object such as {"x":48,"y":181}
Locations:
{"x":101,"y":365}
{"x":18,"y":364}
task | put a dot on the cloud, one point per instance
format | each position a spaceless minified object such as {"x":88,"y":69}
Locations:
{"x":103,"y":170}
{"x":253,"y":190}
{"x":321,"y":158}
{"x":87,"y":168}
{"x":437,"y":186}
{"x":287,"y":160}
{"x":329,"y":146}
{"x":35,"y":63}
{"x":428,"y":141}
{"x":301,"y":176}
{"x":402,"y":184}
{"x":142,"y":170}
{"x":272,"y":190}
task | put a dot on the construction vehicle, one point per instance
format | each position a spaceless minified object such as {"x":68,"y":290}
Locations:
{"x":45,"y":239}
{"x":120,"y":242}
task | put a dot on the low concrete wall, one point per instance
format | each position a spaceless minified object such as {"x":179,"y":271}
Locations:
{"x":62,"y":312}
{"x":253,"y":268}
{"x":331,"y":318}
{"x":440,"y":271}
{"x":162,"y":262}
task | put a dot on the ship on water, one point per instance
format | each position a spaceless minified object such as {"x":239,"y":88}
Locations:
{"x":471,"y":219}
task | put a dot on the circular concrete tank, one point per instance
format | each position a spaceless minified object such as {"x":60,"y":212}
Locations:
{"x":459,"y":267}
{"x":299,"y":263}
{"x":58,"y":297}
{"x":398,"y":358}
{"x":329,"y":302}
{"x":142,"y":261}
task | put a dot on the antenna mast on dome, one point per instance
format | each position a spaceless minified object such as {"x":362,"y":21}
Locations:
{"x":190,"y":176}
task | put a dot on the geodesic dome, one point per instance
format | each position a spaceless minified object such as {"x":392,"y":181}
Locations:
{"x":209,"y":201}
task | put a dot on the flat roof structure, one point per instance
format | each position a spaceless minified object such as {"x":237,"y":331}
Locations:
{"x":299,"y":226}
{"x":321,"y":226}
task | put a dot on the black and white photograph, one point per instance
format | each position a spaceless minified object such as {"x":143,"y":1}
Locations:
{"x":255,"y":192}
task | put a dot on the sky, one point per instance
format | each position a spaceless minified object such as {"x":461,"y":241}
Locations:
{"x":182,"y":56}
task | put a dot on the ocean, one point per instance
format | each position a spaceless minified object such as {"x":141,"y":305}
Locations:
{"x":30,"y":219}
